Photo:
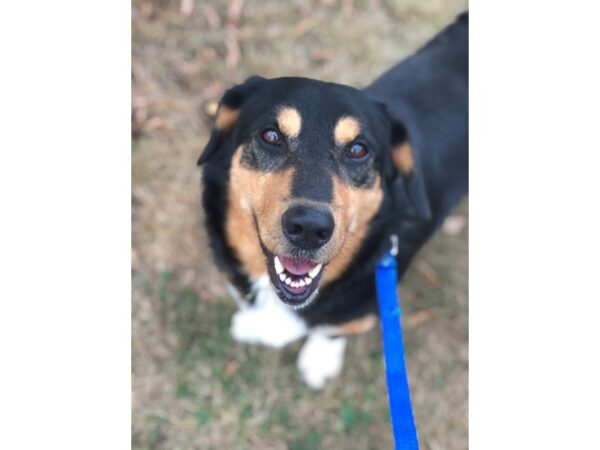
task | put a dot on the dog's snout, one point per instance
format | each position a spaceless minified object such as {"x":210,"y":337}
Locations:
{"x":308,"y":228}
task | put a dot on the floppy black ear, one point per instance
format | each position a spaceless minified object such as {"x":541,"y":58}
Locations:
{"x":227,"y":115}
{"x":407,"y":164}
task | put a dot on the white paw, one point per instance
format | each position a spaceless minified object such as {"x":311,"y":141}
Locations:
{"x":268,"y":321}
{"x":321,"y":358}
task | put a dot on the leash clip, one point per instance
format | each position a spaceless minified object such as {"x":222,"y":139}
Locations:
{"x":394,"y":249}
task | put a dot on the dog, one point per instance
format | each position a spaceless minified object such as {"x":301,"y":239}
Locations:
{"x":304,"y":182}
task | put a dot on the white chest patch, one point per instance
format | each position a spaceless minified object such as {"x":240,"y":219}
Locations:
{"x":269,"y":321}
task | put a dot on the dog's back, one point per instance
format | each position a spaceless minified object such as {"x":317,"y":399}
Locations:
{"x":428,"y":93}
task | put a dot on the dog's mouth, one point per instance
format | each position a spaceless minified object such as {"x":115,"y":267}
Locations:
{"x":296,"y":280}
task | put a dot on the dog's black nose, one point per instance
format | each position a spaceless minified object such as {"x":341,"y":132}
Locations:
{"x":308,"y":228}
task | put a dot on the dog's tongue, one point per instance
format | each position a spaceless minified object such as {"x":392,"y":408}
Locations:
{"x":297,"y":266}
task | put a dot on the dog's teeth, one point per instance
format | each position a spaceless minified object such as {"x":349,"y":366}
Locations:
{"x":288,"y":281}
{"x":294,"y":284}
{"x":315,"y":271}
{"x":307,"y":280}
{"x":278,"y":265}
{"x":301,"y":283}
{"x":282,"y":276}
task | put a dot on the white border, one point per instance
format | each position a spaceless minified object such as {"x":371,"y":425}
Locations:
{"x":65,"y":240}
{"x":65,"y":226}
{"x":534,"y":224}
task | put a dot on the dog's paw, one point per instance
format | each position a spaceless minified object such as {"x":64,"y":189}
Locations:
{"x":321,"y":358}
{"x":266,"y":326}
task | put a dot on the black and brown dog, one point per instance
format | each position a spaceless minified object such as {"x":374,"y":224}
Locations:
{"x":305,"y":181}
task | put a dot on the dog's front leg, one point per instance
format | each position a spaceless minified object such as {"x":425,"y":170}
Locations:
{"x":321,"y":357}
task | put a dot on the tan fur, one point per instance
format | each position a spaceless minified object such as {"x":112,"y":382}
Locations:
{"x":226,"y":117}
{"x":403,"y":158}
{"x":357,"y":326}
{"x":346,"y":130}
{"x":353,"y":210}
{"x":265,"y":194}
{"x":289,"y":121}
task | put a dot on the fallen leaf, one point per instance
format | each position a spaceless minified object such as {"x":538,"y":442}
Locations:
{"x":305,"y":25}
{"x":156,"y":123}
{"x":322,"y":54}
{"x":420,"y":317}
{"x":186,"y":7}
{"x":429,"y":275}
{"x":234,"y":11}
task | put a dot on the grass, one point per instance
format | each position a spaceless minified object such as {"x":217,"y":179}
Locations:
{"x":215,"y":393}
{"x":213,"y":381}
{"x":193,"y":386}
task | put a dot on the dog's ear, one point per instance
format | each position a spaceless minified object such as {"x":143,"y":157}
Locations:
{"x":407,"y":168}
{"x":227,"y":115}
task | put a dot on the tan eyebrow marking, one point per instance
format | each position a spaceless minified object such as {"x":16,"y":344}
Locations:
{"x":289,"y":121}
{"x":403,"y":158}
{"x":226,"y":117}
{"x":346,"y":130}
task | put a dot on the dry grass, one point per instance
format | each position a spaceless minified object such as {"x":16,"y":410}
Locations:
{"x":193,"y":387}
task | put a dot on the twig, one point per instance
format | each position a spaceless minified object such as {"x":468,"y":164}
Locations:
{"x":212,"y":17}
{"x":234,"y":12}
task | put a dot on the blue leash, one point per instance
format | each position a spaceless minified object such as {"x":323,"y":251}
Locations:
{"x":403,"y":422}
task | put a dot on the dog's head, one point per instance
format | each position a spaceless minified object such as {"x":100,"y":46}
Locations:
{"x":309,"y":165}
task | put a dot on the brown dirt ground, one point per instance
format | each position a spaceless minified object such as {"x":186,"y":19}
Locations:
{"x":193,"y":387}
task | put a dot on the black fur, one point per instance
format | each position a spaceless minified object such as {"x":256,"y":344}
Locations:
{"x":423,"y":99}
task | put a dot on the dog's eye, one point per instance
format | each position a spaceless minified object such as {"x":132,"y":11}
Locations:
{"x":357,"y":151}
{"x":271,"y":136}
